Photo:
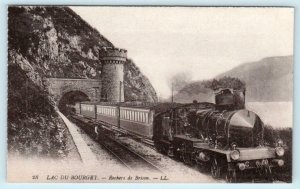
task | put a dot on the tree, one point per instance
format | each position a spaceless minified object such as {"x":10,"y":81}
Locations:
{"x":226,"y":82}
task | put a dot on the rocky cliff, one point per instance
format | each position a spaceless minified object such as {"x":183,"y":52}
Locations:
{"x":53,"y":42}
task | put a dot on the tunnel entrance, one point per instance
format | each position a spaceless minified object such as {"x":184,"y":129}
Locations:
{"x":69,"y":99}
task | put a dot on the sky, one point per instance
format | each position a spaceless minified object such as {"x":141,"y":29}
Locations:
{"x":200,"y":42}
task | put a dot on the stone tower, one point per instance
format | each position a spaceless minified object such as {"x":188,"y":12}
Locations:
{"x":113,"y":60}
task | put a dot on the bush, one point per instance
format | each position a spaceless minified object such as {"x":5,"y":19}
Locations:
{"x":285,"y":134}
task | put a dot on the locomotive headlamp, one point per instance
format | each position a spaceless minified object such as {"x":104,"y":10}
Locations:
{"x":235,"y":154}
{"x":279,"y":162}
{"x":241,"y":166}
{"x":279,"y":151}
{"x":279,"y":142}
{"x":233,"y":146}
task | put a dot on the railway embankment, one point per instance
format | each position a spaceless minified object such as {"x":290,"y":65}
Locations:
{"x":85,"y":153}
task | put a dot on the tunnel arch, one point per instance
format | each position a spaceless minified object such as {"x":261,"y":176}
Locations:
{"x":71,"y":97}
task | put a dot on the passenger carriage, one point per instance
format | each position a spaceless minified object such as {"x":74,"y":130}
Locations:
{"x":134,"y":117}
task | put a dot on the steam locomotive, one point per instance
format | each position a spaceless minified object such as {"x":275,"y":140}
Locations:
{"x":223,"y":136}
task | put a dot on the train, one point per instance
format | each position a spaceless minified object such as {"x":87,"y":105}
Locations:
{"x":223,"y":136}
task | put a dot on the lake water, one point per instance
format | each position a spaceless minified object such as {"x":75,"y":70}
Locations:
{"x":276,"y":114}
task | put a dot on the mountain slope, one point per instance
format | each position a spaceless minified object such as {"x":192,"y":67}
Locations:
{"x":270,"y":79}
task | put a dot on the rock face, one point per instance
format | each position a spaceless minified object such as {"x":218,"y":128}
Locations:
{"x":53,"y":42}
{"x":136,"y":86}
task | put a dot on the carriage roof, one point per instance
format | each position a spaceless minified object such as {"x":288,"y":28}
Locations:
{"x":157,"y":107}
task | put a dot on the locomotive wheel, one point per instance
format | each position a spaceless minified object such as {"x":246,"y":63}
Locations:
{"x":177,"y":155}
{"x":215,"y":169}
{"x":231,"y":176}
{"x":170,"y":151}
{"x":202,"y":167}
{"x":187,"y":159}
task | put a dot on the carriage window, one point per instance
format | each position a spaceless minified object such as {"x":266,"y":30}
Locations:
{"x":139,"y":116}
{"x":146,"y":120}
{"x":132,"y":115}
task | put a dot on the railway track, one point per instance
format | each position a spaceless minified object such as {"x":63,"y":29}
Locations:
{"x":127,"y":157}
{"x":130,"y":159}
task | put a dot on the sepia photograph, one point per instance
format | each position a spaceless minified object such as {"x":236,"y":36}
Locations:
{"x":149,"y":94}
